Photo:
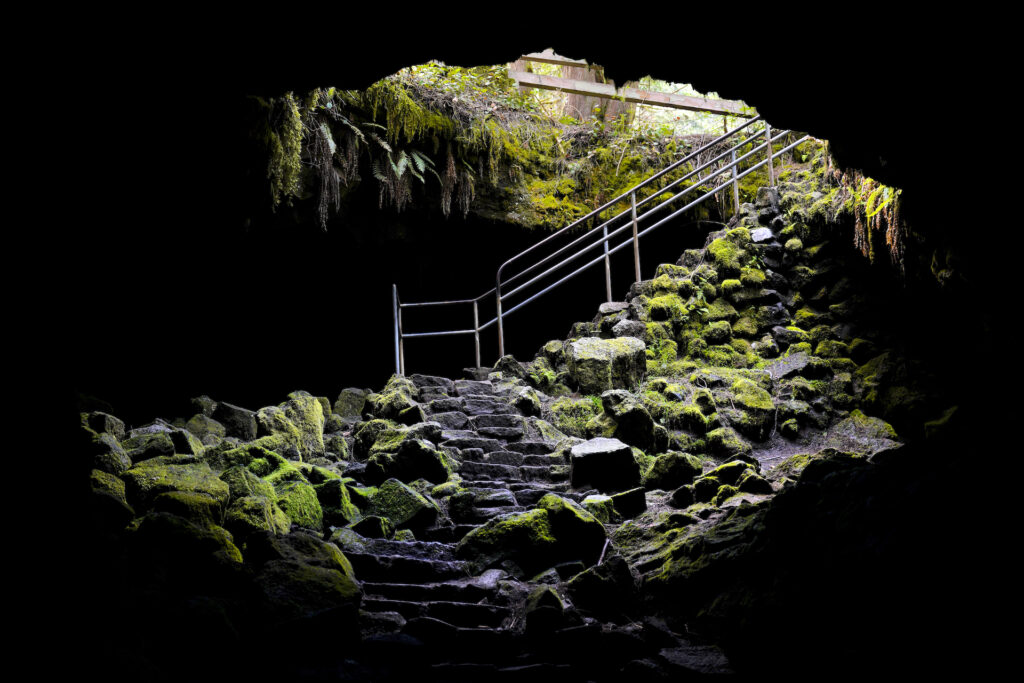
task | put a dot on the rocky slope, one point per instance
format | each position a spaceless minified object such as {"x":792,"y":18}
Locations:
{"x":585,"y":514}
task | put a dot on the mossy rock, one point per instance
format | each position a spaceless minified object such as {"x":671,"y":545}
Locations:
{"x":241,"y":483}
{"x":298,"y":500}
{"x":525,"y":538}
{"x":405,"y":507}
{"x":143,"y":483}
{"x":601,"y":507}
{"x":726,"y":255}
{"x":398,"y":396}
{"x":597,"y":365}
{"x":104,"y":452}
{"x":580,"y":534}
{"x":179,"y":545}
{"x":572,"y":416}
{"x":672,"y":470}
{"x":206,"y":429}
{"x":725,"y":442}
{"x":414,"y":459}
{"x":253,"y":514}
{"x":199,"y":508}
{"x":337,"y":506}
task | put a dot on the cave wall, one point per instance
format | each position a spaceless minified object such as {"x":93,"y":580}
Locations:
{"x":162,"y":289}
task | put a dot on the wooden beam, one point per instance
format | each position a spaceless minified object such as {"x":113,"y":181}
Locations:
{"x":552,"y":58}
{"x":657,"y":99}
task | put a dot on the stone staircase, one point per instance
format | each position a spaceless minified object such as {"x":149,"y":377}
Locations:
{"x":426,"y":611}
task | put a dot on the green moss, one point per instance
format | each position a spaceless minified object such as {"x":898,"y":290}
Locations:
{"x":669,"y":307}
{"x":794,"y":245}
{"x":252,"y":514}
{"x":298,"y":500}
{"x":572,"y":415}
{"x":752,"y":277}
{"x":726,"y":256}
{"x":731,"y":287}
{"x":720,"y":309}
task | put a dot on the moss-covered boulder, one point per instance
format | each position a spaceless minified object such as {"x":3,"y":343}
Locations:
{"x":144,"y":482}
{"x":241,"y":483}
{"x":755,"y":410}
{"x":206,"y":429}
{"x":525,"y":538}
{"x":177,"y":544}
{"x":403,"y":505}
{"x":104,"y":451}
{"x":630,"y":421}
{"x":596,"y":365}
{"x":195,"y":507}
{"x":253,"y":514}
{"x":398,"y":396}
{"x":572,"y":416}
{"x":306,"y":412}
{"x":414,"y":459}
{"x":580,"y":534}
{"x":350,"y":402}
{"x":672,"y":470}
{"x":336,"y":503}
{"x":299,"y":501}
{"x":601,"y":507}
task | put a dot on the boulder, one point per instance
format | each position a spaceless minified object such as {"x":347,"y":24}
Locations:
{"x":606,"y":464}
{"x":672,"y":470}
{"x":415,"y":459}
{"x":143,"y":483}
{"x":525,"y":538}
{"x":597,"y":365}
{"x":403,"y":506}
{"x":253,"y":514}
{"x":238,"y":422}
{"x":580,"y":534}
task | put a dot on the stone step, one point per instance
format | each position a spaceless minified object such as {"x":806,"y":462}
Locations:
{"x":461,"y":614}
{"x":421,"y":550}
{"x":443,"y":640}
{"x":485,"y":405}
{"x":445,"y":405}
{"x":431,"y":381}
{"x":452,"y":419}
{"x":529,"y":496}
{"x":495,"y":457}
{"x":463,"y":439}
{"x":497,"y":420}
{"x":545,"y":460}
{"x":543,"y":473}
{"x":397,"y":569}
{"x":473,"y":589}
{"x":447,"y":534}
{"x":532,"y":447}
{"x":503,"y":433}
{"x":484,"y":470}
{"x":468,"y":387}
{"x":493,"y":498}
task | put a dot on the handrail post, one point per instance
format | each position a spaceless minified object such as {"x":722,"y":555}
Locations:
{"x":398,"y":333}
{"x":501,"y":327}
{"x":636,"y":240}
{"x":771,"y":165}
{"x":476,"y":330}
{"x":735,"y":184}
{"x":401,"y":344}
{"x":607,"y":265}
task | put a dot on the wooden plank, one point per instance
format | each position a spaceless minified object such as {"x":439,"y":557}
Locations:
{"x":552,"y":58}
{"x":658,"y":99}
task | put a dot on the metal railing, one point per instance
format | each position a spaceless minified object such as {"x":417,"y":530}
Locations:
{"x":600,"y":235}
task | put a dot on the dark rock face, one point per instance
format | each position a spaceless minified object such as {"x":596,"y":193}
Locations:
{"x":605,"y":464}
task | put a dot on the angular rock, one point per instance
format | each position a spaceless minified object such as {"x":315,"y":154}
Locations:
{"x":606,"y":464}
{"x":403,"y":506}
{"x":238,"y":422}
{"x":597,"y":365}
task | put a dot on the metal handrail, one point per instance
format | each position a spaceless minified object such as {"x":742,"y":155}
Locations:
{"x":604,"y":236}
